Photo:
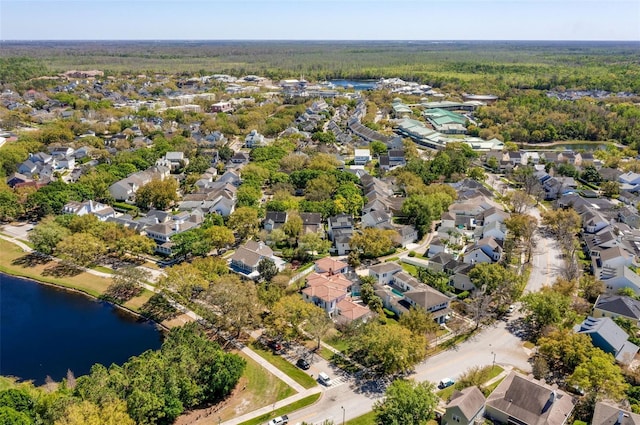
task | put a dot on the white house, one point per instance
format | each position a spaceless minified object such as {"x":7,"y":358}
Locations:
{"x":362,"y":156}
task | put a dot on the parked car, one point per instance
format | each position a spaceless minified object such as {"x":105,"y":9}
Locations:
{"x":303,"y":364}
{"x":445,"y":383}
{"x":275,"y":346}
{"x":324,"y":379}
{"x":280,"y":420}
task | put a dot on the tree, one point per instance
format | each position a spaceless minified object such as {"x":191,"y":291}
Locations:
{"x":610,"y":189}
{"x":321,"y":188}
{"x":293,"y":226}
{"x":10,"y":206}
{"x":244,"y":222}
{"x":418,"y":321}
{"x":136,"y":245}
{"x":267,"y":269}
{"x":387,"y":349}
{"x":248,"y":195}
{"x":236,"y":304}
{"x":46,"y":235}
{"x":600,"y":377}
{"x":519,"y":201}
{"x":183,"y":279}
{"x":373,"y":242}
{"x":474,"y":376}
{"x":127,"y":283}
{"x":219,"y":236}
{"x":159,"y":194}
{"x":314,"y":244}
{"x":523,"y":228}
{"x":317,"y":324}
{"x":477,"y":174}
{"x":591,"y":174}
{"x":590,"y":287}
{"x":81,"y":249}
{"x":406,"y":402}
{"x":545,"y":308}
{"x":564,"y":350}
{"x":87,"y":413}
{"x":287,"y":316}
{"x":377,"y":148}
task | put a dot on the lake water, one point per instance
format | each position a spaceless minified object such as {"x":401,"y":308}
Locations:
{"x":355,"y":84}
{"x":45,"y":331}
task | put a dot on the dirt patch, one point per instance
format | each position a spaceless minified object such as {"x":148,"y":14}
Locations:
{"x":177,"y":321}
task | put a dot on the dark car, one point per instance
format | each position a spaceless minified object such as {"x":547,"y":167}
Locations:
{"x":275,"y":346}
{"x":303,"y":364}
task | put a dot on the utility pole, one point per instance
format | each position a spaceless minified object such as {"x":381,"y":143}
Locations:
{"x":342,"y":407}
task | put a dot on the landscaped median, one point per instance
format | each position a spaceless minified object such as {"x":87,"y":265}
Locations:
{"x":285,"y":366}
{"x":296,"y":405}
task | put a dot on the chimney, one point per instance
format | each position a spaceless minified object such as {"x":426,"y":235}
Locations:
{"x":552,"y":397}
{"x":621,"y":416}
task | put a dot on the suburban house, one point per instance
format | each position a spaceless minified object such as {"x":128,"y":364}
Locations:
{"x":274,"y":220}
{"x":362,"y":156}
{"x":311,"y":222}
{"x":376,"y":218}
{"x":465,"y":407}
{"x":327,"y":290}
{"x":330,"y":265}
{"x":609,"y":337}
{"x":125,"y":189}
{"x":486,"y":250}
{"x":383,"y":272}
{"x":221,"y":107}
{"x":523,"y":400}
{"x":247,"y":257}
{"x":254,"y":139}
{"x":617,"y":306}
{"x":606,"y":413}
{"x":617,"y":278}
{"x":340,"y":230}
{"x":102,"y":211}
{"x":166,"y":225}
{"x":240,"y":158}
{"x":393,"y":159}
{"x":173,"y":161}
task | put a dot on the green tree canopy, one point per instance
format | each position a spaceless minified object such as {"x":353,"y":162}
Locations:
{"x":406,"y":402}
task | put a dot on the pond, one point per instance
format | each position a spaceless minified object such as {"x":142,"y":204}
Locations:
{"x":45,"y":330}
{"x":355,"y":84}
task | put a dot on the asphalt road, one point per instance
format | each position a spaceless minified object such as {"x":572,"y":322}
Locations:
{"x":357,"y":398}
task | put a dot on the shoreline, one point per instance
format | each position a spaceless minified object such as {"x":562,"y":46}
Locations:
{"x":160,"y":326}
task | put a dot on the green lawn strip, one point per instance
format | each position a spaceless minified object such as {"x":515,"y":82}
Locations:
{"x":27,"y":243}
{"x":325,"y":353}
{"x":410,"y":268}
{"x":366,"y":419}
{"x":102,"y":269}
{"x":493,"y":386}
{"x":297,"y":405}
{"x":446,"y":393}
{"x":285,"y":366}
{"x":338,"y":343}
{"x":60,"y":282}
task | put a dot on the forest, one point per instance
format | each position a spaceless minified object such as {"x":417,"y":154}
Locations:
{"x":496,"y":67}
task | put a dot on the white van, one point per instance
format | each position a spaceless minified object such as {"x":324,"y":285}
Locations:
{"x":324,"y":379}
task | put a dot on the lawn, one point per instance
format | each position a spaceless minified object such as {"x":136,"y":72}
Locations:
{"x":411,"y":269}
{"x":336,"y":340}
{"x":261,"y":388}
{"x":103,"y":269}
{"x":366,"y":419}
{"x":18,"y":263}
{"x":284,"y":410}
{"x":445,"y":394}
{"x":285,"y":366}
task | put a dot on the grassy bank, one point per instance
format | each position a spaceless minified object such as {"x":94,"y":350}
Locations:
{"x":297,"y":405}
{"x":285,"y":366}
{"x":257,"y":388}
{"x":16,"y":262}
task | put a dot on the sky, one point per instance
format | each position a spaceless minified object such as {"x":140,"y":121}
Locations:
{"x":320,"y":20}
